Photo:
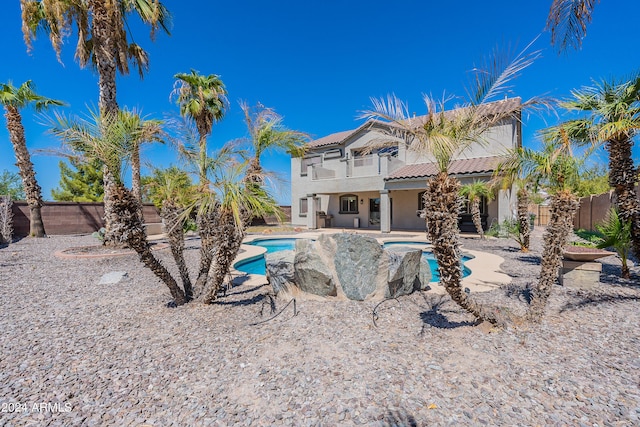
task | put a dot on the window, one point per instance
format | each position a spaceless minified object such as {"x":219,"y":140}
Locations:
{"x":421,"y":200}
{"x":349,"y":204}
{"x":483,"y":206}
{"x":316,"y":160}
{"x":333,"y":154}
{"x":391,"y":151}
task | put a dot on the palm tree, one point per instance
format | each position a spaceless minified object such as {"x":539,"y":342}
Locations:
{"x":203,"y":99}
{"x":267,"y":132}
{"x":142,"y":130}
{"x":107,"y":139}
{"x":568,"y":21}
{"x":172,"y":192}
{"x":509,"y":173}
{"x":13,"y":99}
{"x":228,"y":207}
{"x":443,"y":136}
{"x":557,"y":168}
{"x":613,"y":119}
{"x":474,"y":192}
{"x":103,"y":42}
{"x":617,"y":234}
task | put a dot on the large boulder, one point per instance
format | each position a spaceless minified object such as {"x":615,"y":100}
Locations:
{"x":347,"y":266}
{"x":357,"y":264}
{"x":279,"y":270}
{"x":404,"y":270}
{"x":425,"y":275}
{"x":312,"y":273}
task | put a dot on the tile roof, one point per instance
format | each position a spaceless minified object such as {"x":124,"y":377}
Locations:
{"x":334,"y":138}
{"x":457,"y":167}
{"x":491,"y":108}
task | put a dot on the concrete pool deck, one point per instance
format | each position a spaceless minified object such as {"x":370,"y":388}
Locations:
{"x":486,"y":274}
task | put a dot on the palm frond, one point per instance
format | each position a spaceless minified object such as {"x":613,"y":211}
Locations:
{"x":568,"y":20}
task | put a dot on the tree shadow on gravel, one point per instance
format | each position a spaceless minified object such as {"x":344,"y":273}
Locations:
{"x":244,"y":291}
{"x":529,"y":259}
{"x":243,"y":302}
{"x":518,"y":292}
{"x":435,"y":317}
{"x":399,"y":418}
{"x":589,"y":299}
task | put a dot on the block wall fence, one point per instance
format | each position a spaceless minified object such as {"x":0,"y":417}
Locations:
{"x":82,"y":218}
{"x":593,"y":210}
{"x":69,"y":217}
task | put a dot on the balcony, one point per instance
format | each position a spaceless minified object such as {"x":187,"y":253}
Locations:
{"x":371,"y":165}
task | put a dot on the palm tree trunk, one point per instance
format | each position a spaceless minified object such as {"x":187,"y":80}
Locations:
{"x":475,"y":215}
{"x":32,"y":190}
{"x":105,"y":60}
{"x":202,"y":162}
{"x":125,"y":206}
{"x":523,"y":219}
{"x":623,"y":177}
{"x":104,"y":50}
{"x":112,"y":236}
{"x":228,"y":236}
{"x":136,"y":186}
{"x":442,"y":208}
{"x":171,"y":215}
{"x":563,"y":207}
{"x":207,"y":221}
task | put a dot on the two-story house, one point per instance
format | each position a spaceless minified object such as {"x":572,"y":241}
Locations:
{"x":355,"y":186}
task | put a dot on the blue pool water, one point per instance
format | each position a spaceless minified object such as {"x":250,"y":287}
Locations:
{"x":258,"y":265}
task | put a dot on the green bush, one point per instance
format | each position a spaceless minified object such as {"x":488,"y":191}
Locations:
{"x":592,"y":237}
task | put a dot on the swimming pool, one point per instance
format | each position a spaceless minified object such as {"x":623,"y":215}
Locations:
{"x":257,"y":265}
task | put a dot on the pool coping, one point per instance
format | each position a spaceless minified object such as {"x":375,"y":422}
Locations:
{"x":485,"y":276}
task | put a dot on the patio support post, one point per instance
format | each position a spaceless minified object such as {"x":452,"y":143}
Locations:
{"x":385,"y":212}
{"x":312,"y":222}
{"x":507,"y":202}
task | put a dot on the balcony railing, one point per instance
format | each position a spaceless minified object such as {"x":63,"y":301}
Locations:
{"x":363,"y":166}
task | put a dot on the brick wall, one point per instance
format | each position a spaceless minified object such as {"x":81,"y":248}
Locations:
{"x":69,"y":217}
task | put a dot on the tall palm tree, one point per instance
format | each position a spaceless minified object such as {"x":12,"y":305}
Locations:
{"x":103,"y":43}
{"x":106,"y":139}
{"x":13,"y":99}
{"x":474,"y":192}
{"x":267,"y":132}
{"x":203,"y":99}
{"x":443,"y":136}
{"x":568,"y":21}
{"x":557,"y":168}
{"x":613,"y":120}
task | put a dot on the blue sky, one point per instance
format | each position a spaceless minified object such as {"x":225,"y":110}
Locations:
{"x":318,"y":62}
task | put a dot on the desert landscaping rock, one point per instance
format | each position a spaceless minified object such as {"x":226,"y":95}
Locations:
{"x":117,"y":356}
{"x":404,"y":271}
{"x":311,"y":273}
{"x":279,"y":270}
{"x":349,"y":266}
{"x":112,"y":277}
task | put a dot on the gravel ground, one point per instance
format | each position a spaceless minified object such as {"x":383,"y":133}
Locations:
{"x":77,"y":353}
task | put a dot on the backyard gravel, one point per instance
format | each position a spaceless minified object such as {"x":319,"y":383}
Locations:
{"x":78,"y":353}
